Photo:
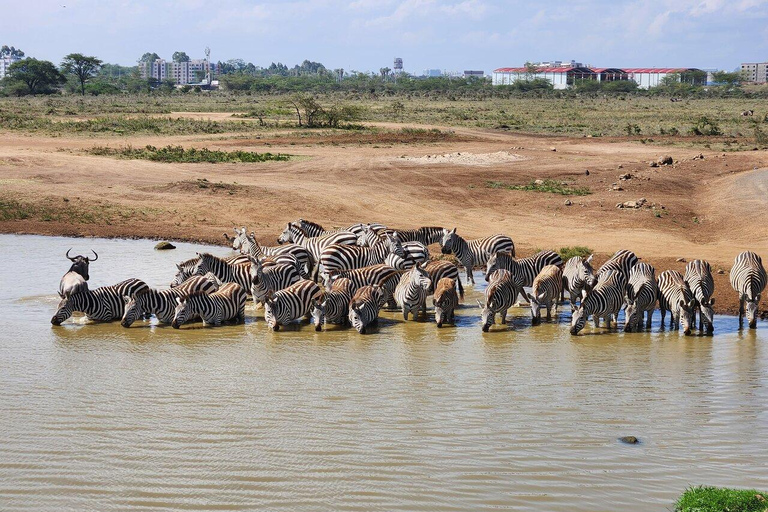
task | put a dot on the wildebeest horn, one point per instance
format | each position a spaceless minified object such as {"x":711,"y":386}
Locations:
{"x":94,"y":253}
{"x":68,"y":256}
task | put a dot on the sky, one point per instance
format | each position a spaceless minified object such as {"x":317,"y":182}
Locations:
{"x":365,"y":35}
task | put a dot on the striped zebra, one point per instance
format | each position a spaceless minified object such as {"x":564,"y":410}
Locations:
{"x":748,"y":278}
{"x":676,"y":297}
{"x":224,"y":305}
{"x":411,"y":292}
{"x":280,"y":254}
{"x":474,"y":252}
{"x":527,"y":268}
{"x":603,"y":301}
{"x":642,"y":293}
{"x":622,"y":261}
{"x":578,"y":278}
{"x":545,"y":292}
{"x":382,"y":275}
{"x":336,"y":257}
{"x":226,"y":272}
{"x":499,"y":297}
{"x":446,"y":300}
{"x":289,"y":304}
{"x":438,"y":269}
{"x":409,"y":253}
{"x":315,"y":245}
{"x":332,"y":307}
{"x":75,"y":280}
{"x":103,"y":304}
{"x":315,"y":229}
{"x":162,"y":303}
{"x":270,"y":279}
{"x":188,"y":268}
{"x":425,"y":235}
{"x":364,"y":307}
{"x":698,"y":275}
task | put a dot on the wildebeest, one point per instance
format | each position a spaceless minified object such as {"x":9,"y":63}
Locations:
{"x":74,"y":281}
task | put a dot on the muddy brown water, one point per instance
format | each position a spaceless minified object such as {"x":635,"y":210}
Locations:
{"x":98,"y":417}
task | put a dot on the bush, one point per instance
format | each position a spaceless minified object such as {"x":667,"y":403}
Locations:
{"x":714,"y":499}
{"x":705,"y":126}
{"x":178,"y":154}
{"x":578,"y":250}
{"x":552,"y":186}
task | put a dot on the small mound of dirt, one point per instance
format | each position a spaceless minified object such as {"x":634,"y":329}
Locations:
{"x":461,"y":158}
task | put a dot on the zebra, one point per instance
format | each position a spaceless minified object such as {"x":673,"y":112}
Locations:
{"x":271,"y":278}
{"x":382,"y":275}
{"x":578,"y":278}
{"x":474,"y":252}
{"x":315,"y":245}
{"x":226,"y":272}
{"x":438,"y":269}
{"x":698,"y":275}
{"x":247,"y":244}
{"x":642,"y":293}
{"x":604,"y":300}
{"x":499,"y":297}
{"x":748,"y":278}
{"x":676,"y":297}
{"x":227,"y":303}
{"x":289,"y":304}
{"x":445,"y":300}
{"x":425,"y":235}
{"x":103,"y":304}
{"x":188,"y":268}
{"x":74,"y":281}
{"x":162,"y":303}
{"x":315,"y":229}
{"x":333,"y":305}
{"x":411,"y":292}
{"x":622,"y":261}
{"x":337,"y":257}
{"x":409,"y":253}
{"x":546,"y":290}
{"x":528,"y":268}
{"x":364,"y":307}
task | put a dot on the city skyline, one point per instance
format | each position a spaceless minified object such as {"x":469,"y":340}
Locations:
{"x":365,"y":35}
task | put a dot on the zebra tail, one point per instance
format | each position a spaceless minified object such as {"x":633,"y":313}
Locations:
{"x":461,"y":289}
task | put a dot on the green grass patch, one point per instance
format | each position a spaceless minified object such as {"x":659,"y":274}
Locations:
{"x":14,"y":210}
{"x":719,"y":499}
{"x":177,"y":154}
{"x":578,"y":250}
{"x":551,"y":186}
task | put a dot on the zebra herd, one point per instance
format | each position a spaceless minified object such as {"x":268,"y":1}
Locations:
{"x":346,"y":276}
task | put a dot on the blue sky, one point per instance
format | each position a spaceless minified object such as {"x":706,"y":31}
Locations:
{"x":368,"y":34}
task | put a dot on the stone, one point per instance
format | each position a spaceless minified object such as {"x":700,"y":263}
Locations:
{"x":626,"y":176}
{"x":586,"y":173}
{"x":619,"y":205}
{"x":553,"y":149}
{"x":680,"y":260}
{"x":164,"y":246}
{"x":666,"y":160}
{"x":653,"y":164}
{"x":621,"y":166}
{"x":538,"y":182}
{"x":568,"y":202}
{"x":629,"y":440}
{"x":720,"y":271}
{"x":617,"y":188}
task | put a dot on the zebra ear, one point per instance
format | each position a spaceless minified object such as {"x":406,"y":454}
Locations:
{"x":178,"y":266}
{"x":178,"y":301}
{"x":711,"y":301}
{"x":126,"y":299}
{"x":541,"y":296}
{"x":453,"y":231}
{"x":589,"y":258}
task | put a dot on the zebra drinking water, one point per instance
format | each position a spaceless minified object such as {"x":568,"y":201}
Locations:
{"x":578,"y":278}
{"x":642,"y":293}
{"x":698,"y":275}
{"x":289,"y":304}
{"x":499,"y":297}
{"x":445,"y":300}
{"x":162,"y":303}
{"x":228,"y":303}
{"x":676,"y":297}
{"x":364,"y":307}
{"x":545,"y":291}
{"x":748,"y":278}
{"x":102,"y":304}
{"x":474,"y":252}
{"x":411,"y":292}
{"x":603,"y":301}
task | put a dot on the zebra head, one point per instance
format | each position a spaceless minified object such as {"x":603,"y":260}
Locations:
{"x":449,"y":241}
{"x":686,"y":315}
{"x":239,"y":239}
{"x":751,"y":310}
{"x":65,"y":308}
{"x":80,"y":263}
{"x":318,"y":312}
{"x":709,"y":314}
{"x":395,"y":246}
{"x":420,"y":277}
{"x":536,"y":301}
{"x":631,"y":313}
{"x":367,"y":237}
{"x":286,"y":236}
{"x":579,"y":320}
{"x":184,"y":271}
{"x":183,"y":312}
{"x":356,"y":319}
{"x":271,"y":311}
{"x":487,"y":316}
{"x":491,"y":266}
{"x":134,"y":309}
{"x":586,"y":274}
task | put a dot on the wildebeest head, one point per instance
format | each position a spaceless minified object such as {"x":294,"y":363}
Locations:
{"x":80,"y":263}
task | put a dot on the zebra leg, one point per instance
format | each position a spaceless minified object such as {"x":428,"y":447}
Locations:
{"x":648,"y":321}
{"x":573,"y":296}
{"x":663,"y":315}
{"x":596,"y":319}
{"x":405,"y":313}
{"x":701,"y":320}
{"x":741,"y":312}
{"x":467,"y":263}
{"x":503,"y":314}
{"x":608,"y":321}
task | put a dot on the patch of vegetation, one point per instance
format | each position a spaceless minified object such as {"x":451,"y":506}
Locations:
{"x":14,"y":210}
{"x":53,"y":210}
{"x":717,"y":499}
{"x":706,"y":126}
{"x":551,"y":186}
{"x":578,"y":250}
{"x":177,"y":154}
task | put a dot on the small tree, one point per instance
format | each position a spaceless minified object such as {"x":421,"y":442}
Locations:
{"x":82,"y":67}
{"x":149,"y":57}
{"x":180,"y":57}
{"x":308,"y":106}
{"x":34,"y":76}
{"x":731,"y":79}
{"x":10,"y":51}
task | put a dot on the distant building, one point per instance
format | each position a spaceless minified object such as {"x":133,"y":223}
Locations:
{"x":477,"y":74}
{"x":756,"y":72}
{"x":398,"y":65}
{"x":5,"y":63}
{"x":433,"y":72}
{"x":560,"y":77}
{"x":566,"y":76}
{"x":190,"y":72}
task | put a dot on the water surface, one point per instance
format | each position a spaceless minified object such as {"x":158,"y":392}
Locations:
{"x":98,"y":417}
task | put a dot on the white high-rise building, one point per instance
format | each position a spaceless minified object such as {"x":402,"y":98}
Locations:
{"x":180,"y":72}
{"x":5,"y":63}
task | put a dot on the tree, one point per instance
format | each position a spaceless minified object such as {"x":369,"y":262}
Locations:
{"x":34,"y":76}
{"x":149,"y":57}
{"x":10,"y":51}
{"x":180,"y":57}
{"x":82,"y":67}
{"x":384,"y":72}
{"x":724,"y":77}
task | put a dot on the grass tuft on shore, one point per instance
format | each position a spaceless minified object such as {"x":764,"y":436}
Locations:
{"x":177,"y":154}
{"x":551,"y":186}
{"x":720,"y":499}
{"x":578,"y":250}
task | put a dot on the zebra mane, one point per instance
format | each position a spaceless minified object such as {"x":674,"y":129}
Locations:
{"x":191,"y":262}
{"x":309,"y":223}
{"x":298,"y":228}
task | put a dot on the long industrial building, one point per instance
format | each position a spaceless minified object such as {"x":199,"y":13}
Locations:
{"x":563,"y":77}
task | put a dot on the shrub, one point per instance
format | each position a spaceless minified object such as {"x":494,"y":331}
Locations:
{"x":578,"y":250}
{"x":178,"y":154}
{"x":705,"y":126}
{"x":552,"y":186}
{"x":714,"y":499}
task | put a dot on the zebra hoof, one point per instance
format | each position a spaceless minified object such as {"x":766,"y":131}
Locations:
{"x":486,"y":328}
{"x":439,"y":324}
{"x":318,"y":328}
{"x":753,"y":324}
{"x":276,"y":327}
